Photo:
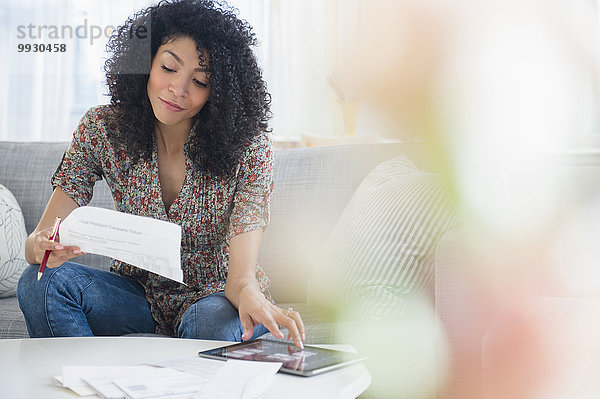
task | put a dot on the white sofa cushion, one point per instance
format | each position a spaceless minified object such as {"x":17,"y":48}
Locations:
{"x":380,"y":253}
{"x":12,"y":243}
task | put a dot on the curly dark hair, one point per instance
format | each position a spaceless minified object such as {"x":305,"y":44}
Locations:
{"x":238,"y":107}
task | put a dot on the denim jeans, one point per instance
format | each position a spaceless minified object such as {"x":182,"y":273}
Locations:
{"x":75,"y":300}
{"x":214,"y":317}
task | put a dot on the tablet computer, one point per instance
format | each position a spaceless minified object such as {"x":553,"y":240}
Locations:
{"x":304,"y":362}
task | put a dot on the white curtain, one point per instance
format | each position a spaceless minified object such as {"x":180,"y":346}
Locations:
{"x":298,"y":50}
{"x":44,"y":94}
{"x":35,"y":85}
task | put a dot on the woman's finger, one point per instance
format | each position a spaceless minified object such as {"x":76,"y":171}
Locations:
{"x":273,"y":328}
{"x":47,"y":245}
{"x":58,"y":257}
{"x":296,"y":316}
{"x":247,"y":326}
{"x":64,"y":252}
{"x":43,"y":243}
{"x":76,"y":251}
{"x":55,"y":247}
{"x":290,"y":324}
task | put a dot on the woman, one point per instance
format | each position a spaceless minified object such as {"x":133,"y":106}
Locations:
{"x":185,"y":140}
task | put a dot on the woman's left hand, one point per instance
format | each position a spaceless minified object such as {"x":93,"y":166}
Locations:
{"x":255,"y":309}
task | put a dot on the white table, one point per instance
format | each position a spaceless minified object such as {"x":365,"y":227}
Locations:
{"x":27,"y":366}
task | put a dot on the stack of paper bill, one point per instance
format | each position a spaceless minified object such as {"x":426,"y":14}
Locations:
{"x":182,"y":378}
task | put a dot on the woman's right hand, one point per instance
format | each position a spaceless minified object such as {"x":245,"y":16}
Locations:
{"x":59,"y":255}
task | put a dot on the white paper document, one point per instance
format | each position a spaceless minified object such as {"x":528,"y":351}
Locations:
{"x":201,"y":367}
{"x":150,"y":244}
{"x":160,"y":383}
{"x":241,"y":379}
{"x":180,"y":378}
{"x":80,"y":388}
{"x":98,"y":379}
{"x":135,"y":382}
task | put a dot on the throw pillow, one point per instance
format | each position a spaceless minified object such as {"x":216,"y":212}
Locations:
{"x":380,"y":253}
{"x":12,"y":243}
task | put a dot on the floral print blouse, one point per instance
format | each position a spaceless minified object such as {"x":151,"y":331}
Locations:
{"x":210,"y":209}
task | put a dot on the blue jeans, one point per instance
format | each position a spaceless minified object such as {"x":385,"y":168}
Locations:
{"x":75,"y":300}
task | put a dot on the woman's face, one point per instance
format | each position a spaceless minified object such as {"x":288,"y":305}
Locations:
{"x":178,"y":85}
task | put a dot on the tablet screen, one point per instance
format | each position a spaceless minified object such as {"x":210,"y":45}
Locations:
{"x":298,"y":361}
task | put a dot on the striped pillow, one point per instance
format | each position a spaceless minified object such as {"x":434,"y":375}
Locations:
{"x":380,"y":253}
{"x":12,"y":243}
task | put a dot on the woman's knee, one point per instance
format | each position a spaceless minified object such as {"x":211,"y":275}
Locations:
{"x":26,"y":286}
{"x":213,"y":317}
{"x":32,"y":292}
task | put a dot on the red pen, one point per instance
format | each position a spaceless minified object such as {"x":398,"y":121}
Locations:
{"x":47,"y":253}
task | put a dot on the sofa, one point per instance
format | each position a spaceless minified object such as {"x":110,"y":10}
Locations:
{"x":312,"y":186}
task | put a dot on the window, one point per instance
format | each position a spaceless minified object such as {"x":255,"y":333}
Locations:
{"x":45,"y":90}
